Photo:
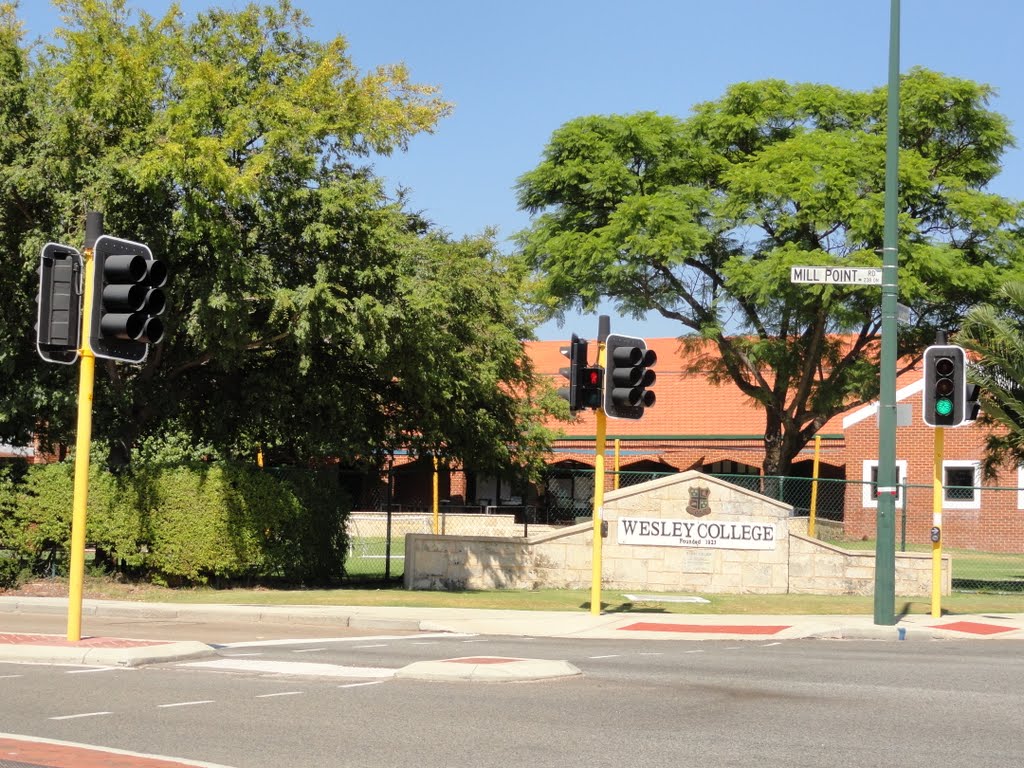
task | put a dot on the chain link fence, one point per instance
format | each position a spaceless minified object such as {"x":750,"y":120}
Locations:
{"x":977,"y":531}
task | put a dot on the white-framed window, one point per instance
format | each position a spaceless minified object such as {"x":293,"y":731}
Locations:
{"x":961,"y":484}
{"x":1020,"y":487}
{"x":870,"y":484}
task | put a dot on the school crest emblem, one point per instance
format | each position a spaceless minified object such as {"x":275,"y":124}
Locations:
{"x":699,"y":504}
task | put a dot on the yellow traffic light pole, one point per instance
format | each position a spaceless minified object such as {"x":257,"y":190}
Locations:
{"x":939,"y":449}
{"x":83,"y":441}
{"x":602,"y":419}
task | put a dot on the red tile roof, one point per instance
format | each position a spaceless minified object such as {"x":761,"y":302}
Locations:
{"x":687,"y":405}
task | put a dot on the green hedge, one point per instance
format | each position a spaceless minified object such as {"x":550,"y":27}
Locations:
{"x":189,"y":523}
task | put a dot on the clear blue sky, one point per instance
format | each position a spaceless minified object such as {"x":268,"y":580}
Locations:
{"x":518,"y":70}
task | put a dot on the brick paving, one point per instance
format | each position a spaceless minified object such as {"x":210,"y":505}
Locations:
{"x":10,"y":638}
{"x":26,"y":753}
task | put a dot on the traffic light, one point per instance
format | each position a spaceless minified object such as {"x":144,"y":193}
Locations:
{"x":945,"y":386}
{"x":972,"y":407}
{"x":58,"y":322}
{"x":126,"y":300}
{"x":628,"y":377}
{"x":589,"y":387}
{"x":577,"y":354}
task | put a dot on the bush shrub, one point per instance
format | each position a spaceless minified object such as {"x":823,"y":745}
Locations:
{"x":187,"y":523}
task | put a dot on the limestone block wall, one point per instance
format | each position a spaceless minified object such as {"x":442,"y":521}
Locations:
{"x":701,"y":506}
{"x":704,"y":541}
{"x":559,"y":559}
{"x":818,"y":568}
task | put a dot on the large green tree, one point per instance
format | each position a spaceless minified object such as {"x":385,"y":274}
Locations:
{"x":995,"y":333}
{"x":310,"y":314}
{"x":700,"y":220}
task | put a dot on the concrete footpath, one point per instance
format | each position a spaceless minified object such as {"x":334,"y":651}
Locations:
{"x":108,"y":651}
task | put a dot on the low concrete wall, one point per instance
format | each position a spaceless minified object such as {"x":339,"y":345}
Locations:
{"x":562,"y":558}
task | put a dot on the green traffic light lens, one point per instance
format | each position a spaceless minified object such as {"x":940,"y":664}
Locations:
{"x":943,"y":406}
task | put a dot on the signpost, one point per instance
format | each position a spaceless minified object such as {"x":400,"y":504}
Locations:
{"x":836,"y":275}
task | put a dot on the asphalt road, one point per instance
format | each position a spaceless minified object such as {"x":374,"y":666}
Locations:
{"x":808,"y":703}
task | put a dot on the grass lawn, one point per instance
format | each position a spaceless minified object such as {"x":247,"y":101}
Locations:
{"x":538,"y":600}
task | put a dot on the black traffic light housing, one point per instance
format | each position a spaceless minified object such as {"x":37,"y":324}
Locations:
{"x":577,"y":354}
{"x":589,"y":391}
{"x":59,"y":318}
{"x":944,"y":403}
{"x":126,"y":300}
{"x":628,"y":377}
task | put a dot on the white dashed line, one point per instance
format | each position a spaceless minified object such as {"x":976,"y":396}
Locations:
{"x":282,"y":693}
{"x":360,"y":685}
{"x":90,"y":670}
{"x":769,"y":645}
{"x":84,"y":714}
{"x":308,"y":650}
{"x":8,"y":677}
{"x":609,"y":656}
{"x":378,"y":645}
{"x":291,"y":668}
{"x":184,"y":704}
{"x":363,"y":639}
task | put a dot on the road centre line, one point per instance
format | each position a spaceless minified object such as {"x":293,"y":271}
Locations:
{"x":281,"y":693}
{"x":309,"y":650}
{"x":377,"y":645}
{"x":83,"y":714}
{"x":608,"y":656}
{"x":360,"y":685}
{"x":185,"y":703}
{"x":7,"y":677}
{"x":363,"y":639}
{"x":91,"y":670}
{"x":308,"y":669}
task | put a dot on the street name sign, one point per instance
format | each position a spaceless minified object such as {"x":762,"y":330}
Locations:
{"x":836,"y":275}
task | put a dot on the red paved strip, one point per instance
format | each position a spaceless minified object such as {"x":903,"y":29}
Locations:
{"x":481,"y":660}
{"x":73,"y":756}
{"x":85,"y":642}
{"x":725,"y":629}
{"x":975,"y":628}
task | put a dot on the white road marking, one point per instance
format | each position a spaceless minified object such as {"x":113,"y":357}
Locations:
{"x":236,"y":655}
{"x":7,"y":677}
{"x":308,"y":650}
{"x":609,"y":656}
{"x":769,"y":645}
{"x":652,"y":653}
{"x":377,"y":645}
{"x":359,"y":685}
{"x":185,"y":703}
{"x":695,"y":651}
{"x":84,"y":714}
{"x":291,"y":668}
{"x":91,"y":669}
{"x":282,"y":693}
{"x":308,"y":641}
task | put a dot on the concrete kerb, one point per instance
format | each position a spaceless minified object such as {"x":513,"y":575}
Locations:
{"x":490,"y":671}
{"x":106,"y":657}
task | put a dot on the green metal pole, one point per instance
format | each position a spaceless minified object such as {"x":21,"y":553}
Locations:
{"x":885,"y":544}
